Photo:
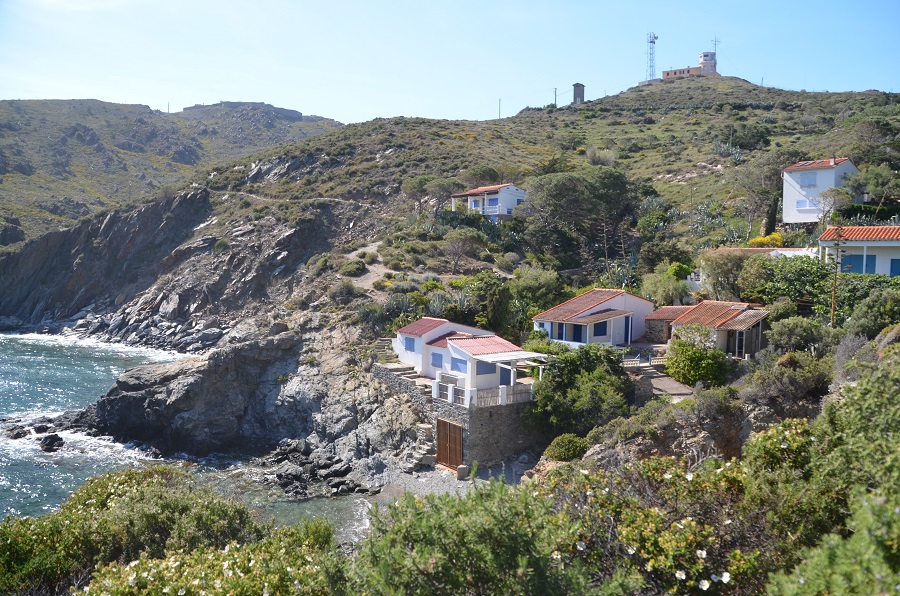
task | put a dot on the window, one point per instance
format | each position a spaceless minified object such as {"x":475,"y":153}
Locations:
{"x":459,"y":365}
{"x":485,"y":368}
{"x":540,"y":325}
{"x":493,"y":202}
{"x":437,"y":360}
{"x":519,"y":201}
{"x":600,"y":329}
{"x":808,"y":179}
{"x":476,"y":203}
{"x":561,"y":331}
{"x":409,"y":343}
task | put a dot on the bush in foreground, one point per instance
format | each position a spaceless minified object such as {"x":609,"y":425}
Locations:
{"x":117,"y":516}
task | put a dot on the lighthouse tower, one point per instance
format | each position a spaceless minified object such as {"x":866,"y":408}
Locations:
{"x":708,"y":63}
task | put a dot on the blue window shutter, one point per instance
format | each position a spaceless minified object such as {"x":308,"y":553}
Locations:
{"x":458,"y":365}
{"x":852,"y":264}
{"x":485,"y":368}
{"x":409,"y":343}
{"x":600,"y":329}
{"x":895,"y":267}
{"x":437,"y":360}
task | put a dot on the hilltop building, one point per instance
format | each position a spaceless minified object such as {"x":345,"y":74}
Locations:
{"x":578,"y":94}
{"x":494,"y":202}
{"x":705,"y":66}
{"x":805,"y":181}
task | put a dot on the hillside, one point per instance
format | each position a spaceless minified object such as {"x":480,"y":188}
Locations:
{"x":62,"y":160}
{"x":688,"y":138}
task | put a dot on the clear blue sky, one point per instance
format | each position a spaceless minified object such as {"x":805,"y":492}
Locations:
{"x":354,"y":60}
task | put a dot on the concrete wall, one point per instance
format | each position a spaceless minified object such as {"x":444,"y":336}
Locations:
{"x":883,"y":252}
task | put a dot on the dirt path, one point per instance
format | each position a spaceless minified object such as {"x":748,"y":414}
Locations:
{"x":374,"y":272}
{"x":665,"y":385}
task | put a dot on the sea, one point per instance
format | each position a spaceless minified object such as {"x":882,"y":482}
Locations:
{"x":43,"y":375}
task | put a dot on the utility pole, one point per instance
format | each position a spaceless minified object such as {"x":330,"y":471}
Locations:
{"x":498,"y":108}
{"x":554,"y":97}
{"x":838,"y":238}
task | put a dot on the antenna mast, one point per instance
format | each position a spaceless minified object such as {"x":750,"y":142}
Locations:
{"x":715,"y":42}
{"x":651,"y":55}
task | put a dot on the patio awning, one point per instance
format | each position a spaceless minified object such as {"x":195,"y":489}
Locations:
{"x":510,"y":356}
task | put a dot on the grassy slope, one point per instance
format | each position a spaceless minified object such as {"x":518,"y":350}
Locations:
{"x":60,"y":160}
{"x":662,"y":134}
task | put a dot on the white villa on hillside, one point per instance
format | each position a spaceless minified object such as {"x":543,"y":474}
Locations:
{"x":864,"y":249}
{"x":463,"y":360}
{"x":804,"y":181}
{"x":613,"y":317}
{"x":495,"y":202}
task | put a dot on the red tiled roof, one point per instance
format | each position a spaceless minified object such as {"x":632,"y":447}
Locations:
{"x":481,"y":190}
{"x":485,"y":344}
{"x":667,"y":313}
{"x":577,"y":305}
{"x":817,"y":164}
{"x":711,"y":313}
{"x":745,"y":320}
{"x":603,"y":315}
{"x":422,"y":326}
{"x":862,"y":233}
{"x":441,"y":342}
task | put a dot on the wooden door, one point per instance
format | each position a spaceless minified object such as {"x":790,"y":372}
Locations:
{"x":449,"y":443}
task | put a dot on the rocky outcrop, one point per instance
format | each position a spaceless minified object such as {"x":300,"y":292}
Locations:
{"x":57,"y":275}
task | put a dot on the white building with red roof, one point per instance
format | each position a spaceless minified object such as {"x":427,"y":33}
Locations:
{"x":736,"y":328}
{"x":466,"y":358}
{"x":804,"y":181}
{"x":604,"y":316}
{"x":494,"y":202}
{"x":863,"y":249}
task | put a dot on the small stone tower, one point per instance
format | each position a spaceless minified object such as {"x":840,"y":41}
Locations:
{"x":579,"y":94}
{"x":708,"y":63}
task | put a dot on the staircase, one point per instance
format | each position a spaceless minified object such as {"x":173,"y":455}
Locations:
{"x":423,"y":453}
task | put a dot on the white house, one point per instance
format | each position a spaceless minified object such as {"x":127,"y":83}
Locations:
{"x":864,"y":249}
{"x":614,"y":317}
{"x":735,"y":327}
{"x":804,"y":181}
{"x":494,"y":202}
{"x":462,"y":357}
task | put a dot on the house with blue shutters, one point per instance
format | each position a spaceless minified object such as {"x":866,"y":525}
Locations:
{"x":466,"y":357}
{"x":613,"y":317}
{"x":863,"y":249}
{"x":494,"y":202}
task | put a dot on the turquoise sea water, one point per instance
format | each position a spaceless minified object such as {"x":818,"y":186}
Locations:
{"x":42,"y":375}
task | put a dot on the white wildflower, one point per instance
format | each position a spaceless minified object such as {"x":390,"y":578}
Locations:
{"x":689,"y":476}
{"x":701,"y":553}
{"x":727,"y":522}
{"x":555,"y":555}
{"x":680,"y":574}
{"x":630,"y":550}
{"x":704,"y":585}
{"x":726,"y":577}
{"x":580,"y":545}
{"x":585,"y":472}
{"x":784,"y":445}
{"x":667,"y":475}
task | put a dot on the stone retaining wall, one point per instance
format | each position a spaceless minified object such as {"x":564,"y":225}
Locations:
{"x":496,"y":433}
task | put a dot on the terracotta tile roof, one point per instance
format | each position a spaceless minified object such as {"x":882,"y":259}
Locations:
{"x":441,"y":342}
{"x":667,"y":313}
{"x":481,"y":190}
{"x":422,"y":326}
{"x":817,"y":164}
{"x":603,"y":315}
{"x":711,"y":313}
{"x":486,"y":344}
{"x":745,"y":320}
{"x":862,"y":233}
{"x":577,"y":305}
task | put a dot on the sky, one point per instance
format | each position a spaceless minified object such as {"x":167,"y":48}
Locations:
{"x":355,"y":60}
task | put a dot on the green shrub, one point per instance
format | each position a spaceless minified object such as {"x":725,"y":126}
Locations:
{"x":496,"y":539}
{"x":344,"y":292}
{"x":877,"y":312}
{"x":221,"y":246}
{"x":566,"y":447}
{"x":353,"y":268}
{"x":118,"y":516}
{"x":690,"y":364}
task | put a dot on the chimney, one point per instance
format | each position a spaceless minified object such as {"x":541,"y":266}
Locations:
{"x":832,"y":162}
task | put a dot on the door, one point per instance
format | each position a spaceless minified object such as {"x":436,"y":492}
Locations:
{"x":627,"y":330}
{"x":505,"y":375}
{"x":450,"y":446}
{"x":895,"y":267}
{"x":576,"y":333}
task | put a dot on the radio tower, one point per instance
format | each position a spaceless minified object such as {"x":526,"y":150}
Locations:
{"x":651,"y":55}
